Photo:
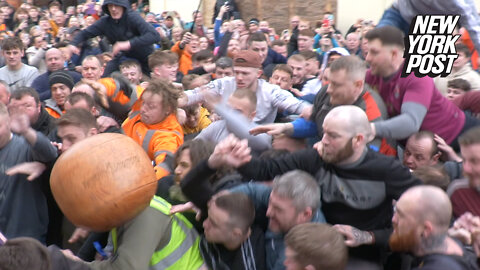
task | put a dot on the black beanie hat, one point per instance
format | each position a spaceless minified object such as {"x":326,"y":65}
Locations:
{"x":61,"y":76}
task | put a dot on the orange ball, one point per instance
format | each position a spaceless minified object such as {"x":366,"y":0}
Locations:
{"x":103,"y":181}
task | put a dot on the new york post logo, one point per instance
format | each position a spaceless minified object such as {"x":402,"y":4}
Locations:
{"x":430,"y":46}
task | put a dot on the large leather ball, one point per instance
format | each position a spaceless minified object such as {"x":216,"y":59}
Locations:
{"x":103,"y":181}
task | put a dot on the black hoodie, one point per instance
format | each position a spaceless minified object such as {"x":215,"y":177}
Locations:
{"x":131,"y":26}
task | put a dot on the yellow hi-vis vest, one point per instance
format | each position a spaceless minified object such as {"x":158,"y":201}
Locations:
{"x":182,"y":251}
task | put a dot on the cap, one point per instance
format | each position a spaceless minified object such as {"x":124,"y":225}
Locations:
{"x":247,"y":58}
{"x":61,"y":76}
{"x":254,"y":21}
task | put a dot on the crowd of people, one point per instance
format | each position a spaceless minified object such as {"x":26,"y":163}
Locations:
{"x":300,"y":150}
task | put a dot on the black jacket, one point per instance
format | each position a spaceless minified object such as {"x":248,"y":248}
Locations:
{"x":131,"y":26}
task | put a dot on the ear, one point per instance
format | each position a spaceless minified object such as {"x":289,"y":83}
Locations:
{"x":359,"y":84}
{"x":260,"y":72}
{"x":436,"y":157}
{"x":92,"y":131}
{"x":252,"y":115}
{"x":306,"y":215}
{"x":427,"y":229}
{"x":358,"y":139}
{"x":237,"y":233}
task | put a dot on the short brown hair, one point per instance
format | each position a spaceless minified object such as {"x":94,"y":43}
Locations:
{"x":75,"y":97}
{"x":354,"y":67}
{"x":24,"y":253}
{"x":130,"y":63}
{"x":166,"y":90}
{"x":278,"y":42}
{"x":464,"y":49}
{"x":159,"y":58}
{"x":25,"y":91}
{"x":388,"y":35}
{"x":12,"y":43}
{"x":306,"y":32}
{"x":434,"y":175}
{"x":285,"y":68}
{"x":318,"y":245}
{"x":79,"y":118}
{"x":240,"y":209}
{"x":309,"y":55}
{"x":296,"y":58}
{"x":472,"y":136}
{"x":459,"y":84}
{"x":188,"y":79}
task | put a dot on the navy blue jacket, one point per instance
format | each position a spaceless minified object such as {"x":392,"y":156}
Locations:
{"x":131,"y":26}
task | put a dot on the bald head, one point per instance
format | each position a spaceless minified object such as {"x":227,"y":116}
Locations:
{"x":352,"y":119}
{"x":430,"y":204}
{"x":54,"y":59}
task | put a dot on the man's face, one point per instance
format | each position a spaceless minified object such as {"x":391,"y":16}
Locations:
{"x":168,"y":22}
{"x":311,"y":67}
{"x":243,"y":106}
{"x":60,"y":93}
{"x":152,"y":110}
{"x":194,"y":45}
{"x":453,"y":93}
{"x":166,"y":71}
{"x":298,"y":68}
{"x":341,"y":88}
{"x":203,"y":43}
{"x":418,"y":153}
{"x":26,"y":105}
{"x":253,"y":27}
{"x":294,"y":21}
{"x":192,"y":118}
{"x":305,"y":43}
{"x":261,"y":47}
{"x":471,"y":164}
{"x":217,"y":227}
{"x":290,"y":262}
{"x":54,"y":60}
{"x":353,"y":42}
{"x":223,"y":72}
{"x":379,"y":57}
{"x":59,"y":18}
{"x":184,"y":164}
{"x":246,"y":77}
{"x":337,"y":142}
{"x":4,"y":94}
{"x":233,"y":46}
{"x":115,"y":11}
{"x":282,"y":50}
{"x":13,"y":57}
{"x":198,"y":19}
{"x":461,"y":60}
{"x":282,"y":79}
{"x":70,"y":135}
{"x":282,"y":214}
{"x":133,"y":74}
{"x":406,"y":233}
{"x":92,"y":69}
{"x":33,"y":12}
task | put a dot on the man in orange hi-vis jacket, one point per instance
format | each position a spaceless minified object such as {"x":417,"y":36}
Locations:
{"x":155,"y":126}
